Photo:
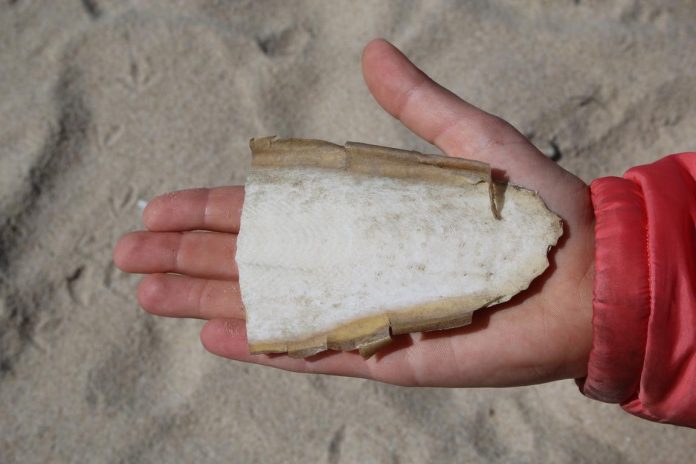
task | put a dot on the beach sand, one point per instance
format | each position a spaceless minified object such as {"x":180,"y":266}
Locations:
{"x":105,"y":104}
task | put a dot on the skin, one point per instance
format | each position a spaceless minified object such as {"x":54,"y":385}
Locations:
{"x":542,"y":334}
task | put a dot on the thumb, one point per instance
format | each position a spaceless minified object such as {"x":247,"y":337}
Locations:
{"x":456,"y":127}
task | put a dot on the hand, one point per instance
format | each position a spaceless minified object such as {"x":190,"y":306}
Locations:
{"x":542,"y":334}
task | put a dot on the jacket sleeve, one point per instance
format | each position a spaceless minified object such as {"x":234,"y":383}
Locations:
{"x":644,"y":305}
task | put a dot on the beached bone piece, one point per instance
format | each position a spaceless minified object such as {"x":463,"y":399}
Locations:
{"x":342,"y":246}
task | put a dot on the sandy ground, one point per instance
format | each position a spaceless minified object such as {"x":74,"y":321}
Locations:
{"x":104,"y":104}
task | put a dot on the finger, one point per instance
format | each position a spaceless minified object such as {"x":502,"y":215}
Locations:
{"x":443,"y":119}
{"x":428,"y":109}
{"x":216,"y":209}
{"x":207,"y":255}
{"x":227,"y":338}
{"x":180,"y":296}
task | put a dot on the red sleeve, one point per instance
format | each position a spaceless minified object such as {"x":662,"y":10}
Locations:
{"x":644,"y":341}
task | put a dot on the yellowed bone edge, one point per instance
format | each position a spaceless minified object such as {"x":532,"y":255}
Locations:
{"x":372,"y":160}
{"x":374,"y":332}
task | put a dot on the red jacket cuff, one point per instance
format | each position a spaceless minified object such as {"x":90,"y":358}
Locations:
{"x":644,"y":304}
{"x":620,"y":317}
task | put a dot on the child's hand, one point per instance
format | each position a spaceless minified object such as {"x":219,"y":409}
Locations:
{"x":542,"y":334}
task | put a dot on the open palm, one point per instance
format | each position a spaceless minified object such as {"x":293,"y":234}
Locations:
{"x":542,"y":334}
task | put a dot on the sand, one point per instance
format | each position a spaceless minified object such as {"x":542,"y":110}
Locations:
{"x":104,"y":104}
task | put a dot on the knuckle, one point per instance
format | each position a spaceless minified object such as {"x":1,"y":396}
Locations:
{"x":497,"y":131}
